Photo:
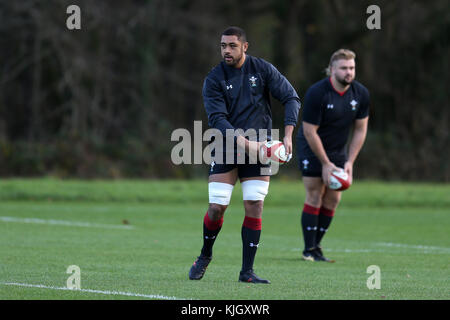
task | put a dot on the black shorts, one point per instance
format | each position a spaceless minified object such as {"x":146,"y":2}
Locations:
{"x":310,"y":166}
{"x":245,"y":168}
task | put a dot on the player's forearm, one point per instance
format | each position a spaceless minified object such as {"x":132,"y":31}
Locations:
{"x":220,"y":122}
{"x":288,"y":131}
{"x":242,"y":142}
{"x":316,"y":145}
{"x":249,"y":146}
{"x":359,"y":136}
{"x":291,"y":110}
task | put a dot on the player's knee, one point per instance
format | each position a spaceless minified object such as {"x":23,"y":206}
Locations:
{"x":314,"y":198}
{"x":216,"y":211}
{"x":331,"y":201}
{"x":254,"y":190}
{"x":220,"y":193}
{"x":253,"y":208}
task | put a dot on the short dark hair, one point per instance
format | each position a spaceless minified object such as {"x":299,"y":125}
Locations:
{"x":235,"y":31}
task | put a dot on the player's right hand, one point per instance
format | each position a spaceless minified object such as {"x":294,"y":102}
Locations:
{"x":327,"y":169}
{"x":252,"y":148}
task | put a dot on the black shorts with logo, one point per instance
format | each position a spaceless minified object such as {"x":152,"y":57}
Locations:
{"x":245,"y":168}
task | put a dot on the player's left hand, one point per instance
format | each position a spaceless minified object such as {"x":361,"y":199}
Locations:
{"x":287,"y":141}
{"x":348,"y":168}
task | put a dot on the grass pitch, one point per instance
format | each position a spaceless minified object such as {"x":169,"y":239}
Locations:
{"x":138,"y":239}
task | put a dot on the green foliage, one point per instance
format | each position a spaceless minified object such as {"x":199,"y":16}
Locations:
{"x":103,"y":101}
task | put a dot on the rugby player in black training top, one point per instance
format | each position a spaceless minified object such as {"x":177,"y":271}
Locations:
{"x":236,"y":96}
{"x":331,"y":108}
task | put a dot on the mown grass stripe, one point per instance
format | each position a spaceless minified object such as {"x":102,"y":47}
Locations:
{"x":63,"y":223}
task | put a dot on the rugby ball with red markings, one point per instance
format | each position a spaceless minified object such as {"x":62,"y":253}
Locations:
{"x":274,"y":152}
{"x":339,"y":180}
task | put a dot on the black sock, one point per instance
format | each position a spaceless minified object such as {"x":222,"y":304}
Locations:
{"x":250,"y":232}
{"x":309,"y":221}
{"x":210,"y":231}
{"x":325,"y":218}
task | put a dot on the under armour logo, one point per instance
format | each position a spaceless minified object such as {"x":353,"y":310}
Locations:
{"x":254,"y":245}
{"x":212,"y":238}
{"x":323,"y":230}
{"x":330,"y":106}
{"x":311,"y":228}
{"x":230,"y":87}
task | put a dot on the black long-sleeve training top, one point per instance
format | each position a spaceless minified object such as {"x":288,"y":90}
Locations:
{"x":238,"y":98}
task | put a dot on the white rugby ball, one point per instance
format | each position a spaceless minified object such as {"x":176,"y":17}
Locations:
{"x":274,"y":152}
{"x":339,"y":180}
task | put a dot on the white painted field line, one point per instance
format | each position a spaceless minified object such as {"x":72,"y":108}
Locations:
{"x":63,"y":223}
{"x":343,"y":250}
{"x":106,"y":292}
{"x":411,"y":246}
{"x":424,"y":249}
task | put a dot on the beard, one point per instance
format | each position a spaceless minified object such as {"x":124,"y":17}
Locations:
{"x":233,"y":61}
{"x":344,"y":82}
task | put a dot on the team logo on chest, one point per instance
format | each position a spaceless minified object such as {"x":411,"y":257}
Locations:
{"x":353,"y":104}
{"x":253,"y":81}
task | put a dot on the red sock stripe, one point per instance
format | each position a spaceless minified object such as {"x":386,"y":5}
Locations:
{"x":326,"y":212}
{"x":210,"y":224}
{"x":310,"y":209}
{"x":252,"y":223}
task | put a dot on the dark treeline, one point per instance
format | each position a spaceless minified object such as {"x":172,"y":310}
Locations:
{"x":103,"y":101}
